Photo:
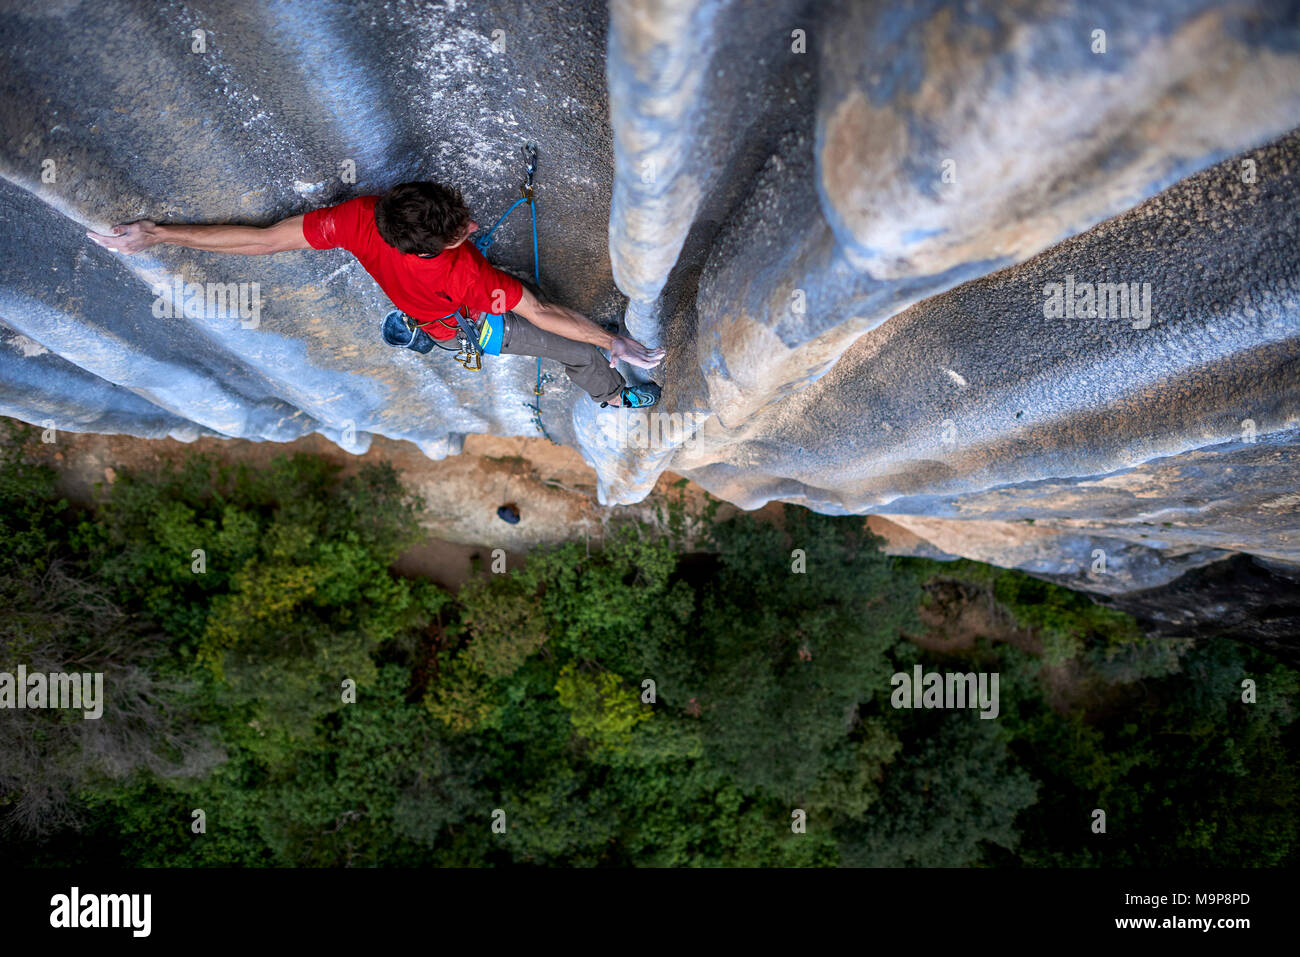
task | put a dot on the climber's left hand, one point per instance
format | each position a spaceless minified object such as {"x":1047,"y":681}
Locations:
{"x":129,"y":238}
{"x":633,"y":353}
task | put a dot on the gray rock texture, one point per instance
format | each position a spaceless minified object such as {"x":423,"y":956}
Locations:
{"x":844,"y":221}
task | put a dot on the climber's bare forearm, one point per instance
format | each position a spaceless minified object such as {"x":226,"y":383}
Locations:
{"x":241,"y":240}
{"x":563,"y":321}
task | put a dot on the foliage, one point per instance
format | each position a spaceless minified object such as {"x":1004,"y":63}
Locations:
{"x":604,"y":711}
{"x":944,"y":800}
{"x":612,"y":706}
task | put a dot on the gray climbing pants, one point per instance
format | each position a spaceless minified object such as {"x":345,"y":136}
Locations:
{"x":585,"y":364}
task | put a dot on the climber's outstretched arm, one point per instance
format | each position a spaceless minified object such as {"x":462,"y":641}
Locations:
{"x":245,"y":240}
{"x":563,"y":321}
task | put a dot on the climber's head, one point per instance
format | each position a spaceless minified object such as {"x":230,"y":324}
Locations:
{"x":423,"y":218}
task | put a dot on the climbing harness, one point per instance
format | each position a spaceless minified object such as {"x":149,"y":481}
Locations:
{"x":470,"y":355}
{"x":485,"y":338}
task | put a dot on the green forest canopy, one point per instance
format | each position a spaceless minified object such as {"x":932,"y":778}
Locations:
{"x":627,"y":706}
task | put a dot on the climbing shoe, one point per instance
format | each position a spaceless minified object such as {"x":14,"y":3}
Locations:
{"x":639,"y":396}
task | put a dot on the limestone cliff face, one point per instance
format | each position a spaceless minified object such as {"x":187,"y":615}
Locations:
{"x":869,"y":235}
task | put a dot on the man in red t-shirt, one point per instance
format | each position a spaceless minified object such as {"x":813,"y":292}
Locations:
{"x":413,"y":241}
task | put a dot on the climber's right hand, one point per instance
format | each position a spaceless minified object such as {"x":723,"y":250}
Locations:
{"x":130,"y":238}
{"x":633,"y":353}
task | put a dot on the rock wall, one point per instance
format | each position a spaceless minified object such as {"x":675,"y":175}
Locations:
{"x":852,"y":225}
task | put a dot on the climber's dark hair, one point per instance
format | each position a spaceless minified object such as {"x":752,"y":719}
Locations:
{"x":421,"y":217}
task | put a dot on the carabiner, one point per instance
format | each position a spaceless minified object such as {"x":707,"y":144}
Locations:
{"x":530,"y":160}
{"x":468,"y":355}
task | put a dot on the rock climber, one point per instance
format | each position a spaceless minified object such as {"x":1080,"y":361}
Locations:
{"x":413,"y":241}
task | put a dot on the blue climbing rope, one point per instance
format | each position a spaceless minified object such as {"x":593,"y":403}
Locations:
{"x":485,"y":241}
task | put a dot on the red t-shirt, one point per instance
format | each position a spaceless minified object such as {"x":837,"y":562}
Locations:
{"x":427,"y":290}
